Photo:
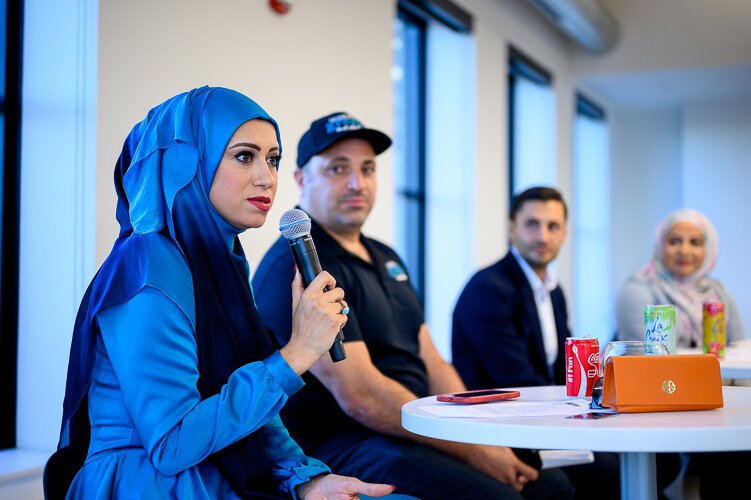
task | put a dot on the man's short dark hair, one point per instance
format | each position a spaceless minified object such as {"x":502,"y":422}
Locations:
{"x":537,"y":193}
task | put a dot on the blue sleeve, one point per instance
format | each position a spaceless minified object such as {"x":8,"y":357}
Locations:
{"x":291,"y":466}
{"x":485,"y":322}
{"x":152,"y":347}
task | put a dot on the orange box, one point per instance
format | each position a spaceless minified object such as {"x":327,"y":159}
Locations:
{"x":662,"y":383}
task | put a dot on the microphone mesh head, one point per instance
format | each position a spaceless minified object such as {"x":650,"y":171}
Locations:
{"x":294,"y":223}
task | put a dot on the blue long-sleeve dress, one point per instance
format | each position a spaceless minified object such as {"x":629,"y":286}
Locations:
{"x":146,"y":366}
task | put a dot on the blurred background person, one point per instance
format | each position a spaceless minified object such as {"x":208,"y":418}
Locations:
{"x":510,"y":322}
{"x":685,"y":253}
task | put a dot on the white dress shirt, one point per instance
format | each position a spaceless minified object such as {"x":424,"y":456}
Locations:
{"x":541,"y":290}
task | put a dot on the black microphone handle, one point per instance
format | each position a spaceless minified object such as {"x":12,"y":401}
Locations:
{"x":306,"y":258}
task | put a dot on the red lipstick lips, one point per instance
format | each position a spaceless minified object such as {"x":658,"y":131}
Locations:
{"x":261,"y":202}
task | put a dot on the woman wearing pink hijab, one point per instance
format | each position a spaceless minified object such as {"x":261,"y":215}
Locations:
{"x":685,"y":252}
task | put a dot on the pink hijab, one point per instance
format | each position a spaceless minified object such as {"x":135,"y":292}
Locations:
{"x":690,"y":292}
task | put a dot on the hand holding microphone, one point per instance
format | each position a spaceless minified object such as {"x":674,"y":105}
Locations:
{"x":295,"y":226}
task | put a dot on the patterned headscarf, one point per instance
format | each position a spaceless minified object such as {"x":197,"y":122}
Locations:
{"x":690,"y":292}
{"x":163,"y":178}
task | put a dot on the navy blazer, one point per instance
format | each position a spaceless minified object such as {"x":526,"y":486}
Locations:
{"x":497,"y":338}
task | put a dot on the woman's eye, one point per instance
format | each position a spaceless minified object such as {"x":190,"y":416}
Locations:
{"x":273,"y":161}
{"x":244,"y":156}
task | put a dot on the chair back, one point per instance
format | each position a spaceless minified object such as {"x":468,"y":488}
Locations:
{"x":59,"y":472}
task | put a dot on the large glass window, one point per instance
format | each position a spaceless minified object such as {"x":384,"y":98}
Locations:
{"x":593,"y":296}
{"x":10,"y":123}
{"x":434,"y":154}
{"x":532,"y":124}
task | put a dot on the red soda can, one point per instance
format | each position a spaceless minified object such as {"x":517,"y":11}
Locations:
{"x":582,"y":366}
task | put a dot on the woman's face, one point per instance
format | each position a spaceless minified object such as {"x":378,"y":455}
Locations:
{"x":683,"y":249}
{"x":245,"y":182}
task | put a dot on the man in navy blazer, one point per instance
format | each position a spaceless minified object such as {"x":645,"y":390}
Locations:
{"x":510,"y":322}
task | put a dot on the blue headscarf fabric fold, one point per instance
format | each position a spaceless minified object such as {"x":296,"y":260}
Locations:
{"x":163,"y":178}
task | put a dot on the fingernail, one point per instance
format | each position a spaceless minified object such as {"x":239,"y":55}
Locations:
{"x":345,"y":311}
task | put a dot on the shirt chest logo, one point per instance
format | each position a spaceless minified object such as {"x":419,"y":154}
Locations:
{"x":396,"y":271}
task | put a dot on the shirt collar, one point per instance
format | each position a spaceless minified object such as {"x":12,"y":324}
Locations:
{"x":550,"y":282}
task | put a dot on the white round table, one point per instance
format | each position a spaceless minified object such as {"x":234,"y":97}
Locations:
{"x":737,"y":362}
{"x":636,"y":436}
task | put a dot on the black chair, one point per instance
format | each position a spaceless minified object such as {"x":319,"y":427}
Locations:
{"x":59,"y":472}
{"x":65,"y":463}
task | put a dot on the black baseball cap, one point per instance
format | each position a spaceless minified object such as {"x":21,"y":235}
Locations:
{"x":329,"y":129}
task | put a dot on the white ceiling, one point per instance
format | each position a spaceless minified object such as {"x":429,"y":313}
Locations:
{"x":672,"y":88}
{"x":672,"y":52}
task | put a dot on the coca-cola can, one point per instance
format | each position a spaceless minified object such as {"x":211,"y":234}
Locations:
{"x":582,"y":366}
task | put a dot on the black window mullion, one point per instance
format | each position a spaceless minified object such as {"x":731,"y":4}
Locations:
{"x":9,"y":235}
{"x":413,"y":192}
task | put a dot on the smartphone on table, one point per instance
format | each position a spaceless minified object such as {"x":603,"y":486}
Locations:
{"x":480,"y":396}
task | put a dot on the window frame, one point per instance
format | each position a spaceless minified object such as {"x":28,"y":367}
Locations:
{"x":520,"y":65}
{"x":418,"y":13}
{"x":10,"y":108}
{"x":414,"y":191}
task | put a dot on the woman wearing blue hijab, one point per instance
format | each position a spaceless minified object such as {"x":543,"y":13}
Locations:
{"x":174,"y":385}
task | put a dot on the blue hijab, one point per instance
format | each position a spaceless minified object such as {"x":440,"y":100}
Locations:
{"x":163,"y":178}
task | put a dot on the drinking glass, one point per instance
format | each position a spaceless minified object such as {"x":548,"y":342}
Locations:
{"x":623,"y":348}
{"x":631,"y":348}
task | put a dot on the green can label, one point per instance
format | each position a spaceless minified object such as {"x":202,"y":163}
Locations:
{"x":659,"y":325}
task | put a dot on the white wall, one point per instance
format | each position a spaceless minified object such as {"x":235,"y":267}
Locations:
{"x":331,"y":55}
{"x":499,"y":23}
{"x":716,"y":180}
{"x":323,"y":56}
{"x":667,"y":138}
{"x":694,"y":157}
{"x":646,"y":180}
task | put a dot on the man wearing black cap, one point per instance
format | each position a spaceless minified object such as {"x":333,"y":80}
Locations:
{"x":349,"y":412}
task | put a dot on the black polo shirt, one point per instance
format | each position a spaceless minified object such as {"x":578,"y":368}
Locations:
{"x":385,"y":313}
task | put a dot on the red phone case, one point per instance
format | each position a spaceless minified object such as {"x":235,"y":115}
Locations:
{"x":467,"y":399}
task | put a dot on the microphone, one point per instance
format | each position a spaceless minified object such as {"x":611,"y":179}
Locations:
{"x":295,"y":226}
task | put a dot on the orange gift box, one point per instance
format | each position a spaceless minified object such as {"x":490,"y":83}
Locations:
{"x":662,"y":383}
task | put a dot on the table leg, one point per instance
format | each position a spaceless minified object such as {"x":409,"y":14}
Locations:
{"x":638,"y":476}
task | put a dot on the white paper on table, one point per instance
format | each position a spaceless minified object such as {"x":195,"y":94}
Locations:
{"x":565,"y":458}
{"x":510,"y":409}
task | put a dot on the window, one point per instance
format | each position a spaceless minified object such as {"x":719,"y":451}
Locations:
{"x":409,"y":142}
{"x":593,"y":296}
{"x":434,"y":153}
{"x":60,"y":39}
{"x":532,"y":134}
{"x":10,"y":126}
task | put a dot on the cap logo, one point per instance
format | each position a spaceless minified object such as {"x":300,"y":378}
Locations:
{"x":342,"y":123}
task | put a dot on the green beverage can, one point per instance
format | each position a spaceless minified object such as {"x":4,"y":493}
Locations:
{"x":659,"y":325}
